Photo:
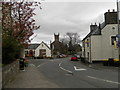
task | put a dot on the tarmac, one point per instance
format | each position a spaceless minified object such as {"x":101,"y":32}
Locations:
{"x":30,"y":78}
{"x":33,"y":78}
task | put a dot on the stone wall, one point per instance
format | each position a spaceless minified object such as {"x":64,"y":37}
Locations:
{"x":9,"y":72}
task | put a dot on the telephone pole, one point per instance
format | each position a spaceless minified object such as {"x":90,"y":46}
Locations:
{"x":118,"y":29}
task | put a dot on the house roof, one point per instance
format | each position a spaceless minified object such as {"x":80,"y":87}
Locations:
{"x":96,"y":31}
{"x":32,"y":46}
{"x":45,"y":44}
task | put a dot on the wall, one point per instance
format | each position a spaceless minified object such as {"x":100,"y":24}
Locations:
{"x":96,"y":47}
{"x":9,"y":72}
{"x":108,"y":50}
{"x":87,"y":49}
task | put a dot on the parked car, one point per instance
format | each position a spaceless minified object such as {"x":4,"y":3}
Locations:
{"x":62,"y":56}
{"x":74,"y":58}
{"x":78,"y":56}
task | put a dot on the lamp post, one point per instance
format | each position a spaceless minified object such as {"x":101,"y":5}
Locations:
{"x":118,"y":29}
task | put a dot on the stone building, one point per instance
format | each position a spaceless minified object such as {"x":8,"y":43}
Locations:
{"x":57,"y":47}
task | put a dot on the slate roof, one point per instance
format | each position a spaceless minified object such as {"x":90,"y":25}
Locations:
{"x":32,"y":46}
{"x":97,"y":31}
{"x":45,"y":44}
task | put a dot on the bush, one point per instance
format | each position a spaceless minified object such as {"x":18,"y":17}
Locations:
{"x":10,"y":50}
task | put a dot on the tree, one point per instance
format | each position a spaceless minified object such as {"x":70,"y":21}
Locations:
{"x":72,"y":40}
{"x":17,"y":26}
{"x":20,"y":22}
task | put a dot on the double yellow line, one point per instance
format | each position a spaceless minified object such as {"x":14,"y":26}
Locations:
{"x":114,"y":60}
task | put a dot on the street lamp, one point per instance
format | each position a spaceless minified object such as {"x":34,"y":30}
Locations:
{"x":118,"y":29}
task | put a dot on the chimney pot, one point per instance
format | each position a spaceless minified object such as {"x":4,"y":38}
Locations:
{"x":108,"y":10}
{"x":113,"y":10}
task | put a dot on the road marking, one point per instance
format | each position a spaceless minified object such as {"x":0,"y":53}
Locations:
{"x":79,"y":69}
{"x":65,"y":69}
{"x":59,"y":64}
{"x":104,"y":80}
{"x":40,"y":65}
{"x":32,"y":65}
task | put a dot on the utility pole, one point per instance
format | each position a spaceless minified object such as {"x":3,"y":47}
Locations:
{"x":118,"y":29}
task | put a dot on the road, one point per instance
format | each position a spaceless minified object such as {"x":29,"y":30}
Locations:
{"x":74,"y":74}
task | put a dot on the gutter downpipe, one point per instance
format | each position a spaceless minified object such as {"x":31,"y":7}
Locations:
{"x":90,"y":50}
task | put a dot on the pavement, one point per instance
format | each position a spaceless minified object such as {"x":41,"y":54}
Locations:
{"x":30,"y":78}
{"x":100,"y":66}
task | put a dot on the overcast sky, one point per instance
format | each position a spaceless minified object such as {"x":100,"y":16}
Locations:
{"x":62,"y":17}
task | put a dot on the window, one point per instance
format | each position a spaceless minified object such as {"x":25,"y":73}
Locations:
{"x":88,"y":55}
{"x":113,"y":38}
{"x":26,"y":52}
{"x":87,"y":42}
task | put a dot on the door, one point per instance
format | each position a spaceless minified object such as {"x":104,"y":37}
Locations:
{"x":42,"y":53}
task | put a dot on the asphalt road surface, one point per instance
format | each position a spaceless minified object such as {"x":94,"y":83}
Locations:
{"x":74,"y":74}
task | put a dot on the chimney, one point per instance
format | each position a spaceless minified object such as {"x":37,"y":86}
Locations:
{"x":110,"y":17}
{"x":113,"y":10}
{"x":93,"y":27}
{"x":99,"y":26}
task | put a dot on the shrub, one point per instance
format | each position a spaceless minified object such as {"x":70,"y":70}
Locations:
{"x":10,"y":50}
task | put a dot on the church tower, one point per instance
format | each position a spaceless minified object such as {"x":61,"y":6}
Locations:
{"x":56,"y":37}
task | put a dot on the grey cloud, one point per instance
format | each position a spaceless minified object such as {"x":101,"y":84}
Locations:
{"x":68,"y":17}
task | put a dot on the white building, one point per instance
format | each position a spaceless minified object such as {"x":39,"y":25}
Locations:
{"x":101,"y":43}
{"x":41,"y":50}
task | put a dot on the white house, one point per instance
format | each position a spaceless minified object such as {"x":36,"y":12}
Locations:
{"x":41,"y":50}
{"x":101,"y":43}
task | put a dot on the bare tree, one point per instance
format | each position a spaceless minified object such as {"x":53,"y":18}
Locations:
{"x":72,"y":40}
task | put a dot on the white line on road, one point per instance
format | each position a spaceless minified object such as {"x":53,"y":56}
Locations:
{"x":40,"y":65}
{"x":79,"y":69}
{"x":64,"y":69}
{"x":32,"y":65}
{"x":59,"y":64}
{"x":104,"y":80}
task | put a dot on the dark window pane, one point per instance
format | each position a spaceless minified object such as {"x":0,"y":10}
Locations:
{"x":113,"y":38}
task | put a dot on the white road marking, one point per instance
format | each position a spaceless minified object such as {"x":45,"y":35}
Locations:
{"x":79,"y":69}
{"x":40,"y":65}
{"x":32,"y":65}
{"x":64,"y":69}
{"x":104,"y":80}
{"x":59,"y":64}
